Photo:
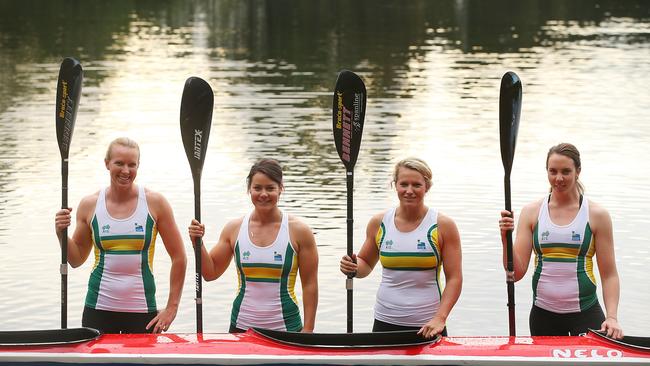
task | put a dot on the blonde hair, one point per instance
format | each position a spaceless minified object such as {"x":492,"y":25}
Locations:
{"x":122,"y":141}
{"x":416,"y":164}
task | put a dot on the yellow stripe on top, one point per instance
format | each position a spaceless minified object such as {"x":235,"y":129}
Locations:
{"x":408,"y":261}
{"x":261,"y":272}
{"x":292,"y":279}
{"x":560,"y":251}
{"x":123,"y":242}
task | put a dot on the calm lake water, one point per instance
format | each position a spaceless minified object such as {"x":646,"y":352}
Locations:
{"x":432,"y":70}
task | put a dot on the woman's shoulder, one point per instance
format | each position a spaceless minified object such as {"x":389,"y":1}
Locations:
{"x":532,"y":209}
{"x":598,"y":213}
{"x":297,"y":223}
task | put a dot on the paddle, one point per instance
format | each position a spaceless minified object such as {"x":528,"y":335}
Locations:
{"x":348,"y":112}
{"x":49,"y":337}
{"x":196,"y":116}
{"x":68,"y":91}
{"x":509,"y":112}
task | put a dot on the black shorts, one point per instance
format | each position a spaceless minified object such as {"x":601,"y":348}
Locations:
{"x":380,"y":326}
{"x":547,"y":323}
{"x":117,"y":322}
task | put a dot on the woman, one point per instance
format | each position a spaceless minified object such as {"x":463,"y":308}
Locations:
{"x":121,"y":223}
{"x":566,"y":230}
{"x":270,"y":247}
{"x":413,"y":242}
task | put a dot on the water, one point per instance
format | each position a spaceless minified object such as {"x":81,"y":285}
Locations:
{"x":432,"y":70}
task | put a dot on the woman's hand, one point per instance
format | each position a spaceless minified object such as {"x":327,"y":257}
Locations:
{"x":507,"y":221}
{"x":62,"y":219}
{"x":196,"y":230}
{"x":611,"y":327}
{"x":163,"y":320}
{"x":432,"y":328}
{"x":349,"y":265}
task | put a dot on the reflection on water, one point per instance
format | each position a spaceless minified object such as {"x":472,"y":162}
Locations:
{"x":432,"y":70}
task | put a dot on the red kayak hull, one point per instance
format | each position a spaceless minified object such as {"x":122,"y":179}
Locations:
{"x":251,"y":348}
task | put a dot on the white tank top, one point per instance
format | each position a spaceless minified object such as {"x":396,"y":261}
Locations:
{"x":122,"y":275}
{"x":564,"y":281}
{"x":267,"y":277}
{"x":409,"y":293}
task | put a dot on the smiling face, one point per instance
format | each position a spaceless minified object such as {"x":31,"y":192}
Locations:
{"x":264,"y":191}
{"x":122,"y":165}
{"x":562,"y":173}
{"x":411,"y":187}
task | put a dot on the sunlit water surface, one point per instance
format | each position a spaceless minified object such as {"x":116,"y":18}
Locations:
{"x":434,"y":95}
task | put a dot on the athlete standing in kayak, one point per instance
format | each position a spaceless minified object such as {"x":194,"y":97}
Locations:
{"x":270,"y":248}
{"x":413,"y":243}
{"x":565,"y":230}
{"x":121,"y":222}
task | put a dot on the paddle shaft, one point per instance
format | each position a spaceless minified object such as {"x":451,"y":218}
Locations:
{"x":64,"y":247}
{"x":350,"y":227}
{"x":198,"y":243}
{"x":510,"y":281}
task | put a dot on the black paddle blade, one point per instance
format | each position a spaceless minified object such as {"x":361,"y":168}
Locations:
{"x":196,"y":117}
{"x":509,"y":112}
{"x":68,"y":91}
{"x":348,"y":112}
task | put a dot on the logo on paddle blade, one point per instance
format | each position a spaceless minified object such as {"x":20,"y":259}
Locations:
{"x":198,"y":134}
{"x":344,"y":122}
{"x":66,"y":110}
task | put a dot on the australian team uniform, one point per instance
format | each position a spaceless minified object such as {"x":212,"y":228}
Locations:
{"x":409,"y":293}
{"x":267,"y":277}
{"x":564,"y":286}
{"x":121,"y":294}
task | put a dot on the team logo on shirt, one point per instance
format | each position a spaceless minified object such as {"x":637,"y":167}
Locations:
{"x":246,"y":255}
{"x":389,"y":244}
{"x":421,"y":245}
{"x":545,"y":235}
{"x":277,"y":257}
{"x":575,"y":236}
{"x":106,"y":228}
{"x":138,"y":228}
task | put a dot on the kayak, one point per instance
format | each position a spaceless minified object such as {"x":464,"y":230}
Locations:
{"x":263,"y":347}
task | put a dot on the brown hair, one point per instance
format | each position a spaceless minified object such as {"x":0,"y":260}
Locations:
{"x":571,"y":152}
{"x":269,"y":167}
{"x":122,"y":141}
{"x":416,"y":164}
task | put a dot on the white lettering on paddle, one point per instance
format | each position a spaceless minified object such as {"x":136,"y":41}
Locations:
{"x":586,"y":353}
{"x":357,"y":110}
{"x":197,"y":143}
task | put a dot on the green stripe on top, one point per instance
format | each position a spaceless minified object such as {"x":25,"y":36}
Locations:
{"x":290,"y":311}
{"x":236,"y":304}
{"x":262,"y":265}
{"x":586,"y":288}
{"x":538,"y":259}
{"x":410,"y":268}
{"x":559,"y":245}
{"x":96,"y":275}
{"x":122,"y":252}
{"x":147,"y":276}
{"x":268,"y":280}
{"x":121,"y":237}
{"x":408,"y":254}
{"x":563,"y":260}
{"x":382,"y":229}
{"x":429,"y":232}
